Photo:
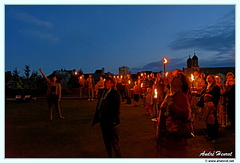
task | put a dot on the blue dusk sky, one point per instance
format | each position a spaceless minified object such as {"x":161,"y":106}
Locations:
{"x":89,"y":37}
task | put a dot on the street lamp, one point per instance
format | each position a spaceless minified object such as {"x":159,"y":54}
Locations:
{"x":165,"y":60}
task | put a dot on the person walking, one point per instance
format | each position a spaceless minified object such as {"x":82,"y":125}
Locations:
{"x":53,"y":95}
{"x":108,"y":115}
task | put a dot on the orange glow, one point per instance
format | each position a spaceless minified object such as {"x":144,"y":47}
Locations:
{"x":141,"y":85}
{"x":166,"y":74}
{"x":129,"y":82}
{"x":192,"y":77}
{"x":165,"y":60}
{"x":155,"y":93}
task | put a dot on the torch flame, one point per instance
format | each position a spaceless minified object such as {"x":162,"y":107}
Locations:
{"x":165,"y":60}
{"x":166,"y":74}
{"x":155,"y":93}
{"x":129,"y":82}
{"x":192,"y":77}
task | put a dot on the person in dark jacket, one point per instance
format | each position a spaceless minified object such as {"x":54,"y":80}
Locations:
{"x":107,"y":114}
{"x":230,"y":95}
{"x":211,"y":98}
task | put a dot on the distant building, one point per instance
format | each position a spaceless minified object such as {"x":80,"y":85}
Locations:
{"x":98,"y":73}
{"x":124,"y":70}
{"x":192,"y":65}
{"x":66,"y":77}
{"x":63,"y":74}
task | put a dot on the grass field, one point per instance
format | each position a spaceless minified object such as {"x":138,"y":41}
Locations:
{"x":30,"y":134}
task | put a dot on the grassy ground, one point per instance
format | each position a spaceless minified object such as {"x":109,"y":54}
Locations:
{"x":30,"y":134}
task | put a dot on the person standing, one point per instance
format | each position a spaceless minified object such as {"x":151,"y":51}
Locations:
{"x":221,"y":111}
{"x":149,"y":103}
{"x":100,"y":87}
{"x":159,"y":93}
{"x":107,"y":114}
{"x":175,"y":112}
{"x":90,"y":86}
{"x":211,"y":99}
{"x":230,"y":95}
{"x":121,"y":88}
{"x":198,"y":84}
{"x":53,"y":94}
{"x":127,"y":81}
{"x":136,"y":94}
{"x":82,"y":83}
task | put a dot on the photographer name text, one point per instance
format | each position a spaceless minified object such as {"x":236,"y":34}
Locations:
{"x":216,"y":153}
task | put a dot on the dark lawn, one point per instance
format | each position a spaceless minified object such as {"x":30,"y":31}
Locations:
{"x":30,"y":134}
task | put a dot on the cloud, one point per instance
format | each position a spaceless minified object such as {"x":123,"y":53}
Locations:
{"x":26,"y":17}
{"x":219,"y":37}
{"x":216,"y":43}
{"x":224,"y":63}
{"x":40,"y":35}
{"x":174,"y":63}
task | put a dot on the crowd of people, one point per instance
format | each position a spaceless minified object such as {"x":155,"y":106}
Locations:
{"x":171,"y":101}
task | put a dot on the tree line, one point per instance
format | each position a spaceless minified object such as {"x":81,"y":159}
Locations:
{"x":31,"y":80}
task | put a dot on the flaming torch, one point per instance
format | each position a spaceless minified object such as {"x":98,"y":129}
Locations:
{"x":192,"y":78}
{"x":155,"y":93}
{"x":165,"y":60}
{"x":166,"y":74}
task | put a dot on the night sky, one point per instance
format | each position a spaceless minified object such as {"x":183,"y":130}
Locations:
{"x":89,"y":37}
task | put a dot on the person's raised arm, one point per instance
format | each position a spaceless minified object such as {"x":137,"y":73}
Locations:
{"x":44,"y":76}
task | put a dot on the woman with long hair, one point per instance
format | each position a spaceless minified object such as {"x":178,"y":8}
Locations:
{"x":175,"y":112}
